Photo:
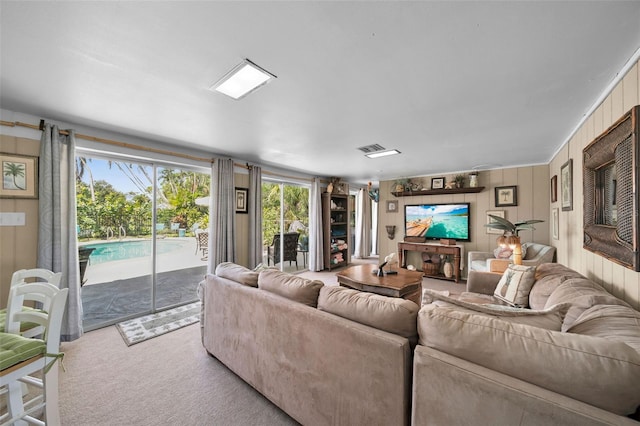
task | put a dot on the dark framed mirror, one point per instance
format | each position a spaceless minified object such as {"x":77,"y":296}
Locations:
{"x":610,"y":184}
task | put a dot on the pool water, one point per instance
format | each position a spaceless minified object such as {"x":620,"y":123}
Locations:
{"x":121,"y":250}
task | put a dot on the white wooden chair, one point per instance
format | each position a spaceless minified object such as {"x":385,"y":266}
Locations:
{"x":25,"y":356}
{"x":24,"y":276}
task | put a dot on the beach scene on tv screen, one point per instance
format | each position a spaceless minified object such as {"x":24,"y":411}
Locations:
{"x":437,"y":221}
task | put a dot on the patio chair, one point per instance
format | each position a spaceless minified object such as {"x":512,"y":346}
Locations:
{"x":290,"y":249}
{"x":20,"y":277}
{"x":26,"y":356}
{"x":202,"y":242}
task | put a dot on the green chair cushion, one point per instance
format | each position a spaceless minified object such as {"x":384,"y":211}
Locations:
{"x":24,"y":326}
{"x":14,"y":349}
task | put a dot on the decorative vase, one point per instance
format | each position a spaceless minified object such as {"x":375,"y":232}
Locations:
{"x":447,"y":269}
{"x":473,"y":180}
{"x":330,"y":188}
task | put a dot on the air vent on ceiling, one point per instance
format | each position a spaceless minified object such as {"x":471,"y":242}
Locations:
{"x":371,"y":148}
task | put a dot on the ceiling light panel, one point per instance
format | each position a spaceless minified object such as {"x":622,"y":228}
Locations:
{"x":243,"y":79}
{"x":382,"y":154}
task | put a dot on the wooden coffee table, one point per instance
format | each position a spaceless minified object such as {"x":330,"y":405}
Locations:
{"x":405,"y":284}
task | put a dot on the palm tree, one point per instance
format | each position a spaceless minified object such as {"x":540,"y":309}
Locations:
{"x":14,"y":170}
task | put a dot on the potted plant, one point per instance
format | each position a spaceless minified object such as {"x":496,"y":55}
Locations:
{"x":459,"y":180}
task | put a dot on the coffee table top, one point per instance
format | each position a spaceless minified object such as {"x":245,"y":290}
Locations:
{"x":362,"y":277}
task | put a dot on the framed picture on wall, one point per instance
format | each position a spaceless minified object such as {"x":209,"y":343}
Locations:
{"x":19,"y":176}
{"x":555,"y":223}
{"x":242,"y":200}
{"x":506,"y":196}
{"x":392,"y":206}
{"x":499,"y":213}
{"x":437,"y":183}
{"x":566,"y":186}
{"x":554,"y":188}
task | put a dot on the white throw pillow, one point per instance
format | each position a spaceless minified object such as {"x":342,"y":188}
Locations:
{"x":515,"y":285}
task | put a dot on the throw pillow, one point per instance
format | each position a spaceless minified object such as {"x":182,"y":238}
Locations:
{"x":515,"y":285}
{"x":502,"y":253}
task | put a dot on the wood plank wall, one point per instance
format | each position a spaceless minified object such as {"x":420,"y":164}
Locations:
{"x":18,"y":244}
{"x":533,"y":186}
{"x":622,"y":282}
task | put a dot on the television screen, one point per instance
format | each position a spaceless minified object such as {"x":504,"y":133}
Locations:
{"x":435,"y":221}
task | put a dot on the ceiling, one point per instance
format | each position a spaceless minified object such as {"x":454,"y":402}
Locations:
{"x":452,"y":85}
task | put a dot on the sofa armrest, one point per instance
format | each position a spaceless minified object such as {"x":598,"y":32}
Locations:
{"x":448,"y":390}
{"x":498,"y":265}
{"x":479,"y":255}
{"x":482,"y":282}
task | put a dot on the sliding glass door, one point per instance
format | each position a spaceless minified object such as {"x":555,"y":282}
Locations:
{"x":138,"y":230}
{"x":285,"y":222}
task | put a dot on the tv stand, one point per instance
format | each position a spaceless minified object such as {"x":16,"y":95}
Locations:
{"x":435,"y":248}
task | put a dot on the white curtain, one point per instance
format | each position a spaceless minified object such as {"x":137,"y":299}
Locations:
{"x":363,"y":225}
{"x":57,"y":244}
{"x":222,"y":220}
{"x":316,"y":251}
{"x":255,"y":216}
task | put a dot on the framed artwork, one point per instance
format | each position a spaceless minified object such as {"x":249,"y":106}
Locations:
{"x":437,"y":183}
{"x":566,"y":186}
{"x":506,"y":196}
{"x":499,"y":213}
{"x":554,"y":188}
{"x":392,"y":206}
{"x":555,"y":223}
{"x":19,"y":176}
{"x":242,"y":195}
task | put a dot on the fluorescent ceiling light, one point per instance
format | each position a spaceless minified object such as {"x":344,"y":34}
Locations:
{"x":383,"y":153}
{"x":243,"y":79}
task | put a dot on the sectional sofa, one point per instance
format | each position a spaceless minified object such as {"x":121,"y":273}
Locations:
{"x":330,"y":355}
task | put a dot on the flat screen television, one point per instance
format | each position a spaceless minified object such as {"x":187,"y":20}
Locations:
{"x":435,"y":221}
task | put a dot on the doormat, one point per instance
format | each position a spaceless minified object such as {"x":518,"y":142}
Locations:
{"x":149,"y":326}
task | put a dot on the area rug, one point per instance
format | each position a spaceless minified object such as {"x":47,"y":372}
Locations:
{"x":149,"y":326}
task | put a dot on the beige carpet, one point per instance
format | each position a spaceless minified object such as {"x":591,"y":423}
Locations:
{"x":168,"y":380}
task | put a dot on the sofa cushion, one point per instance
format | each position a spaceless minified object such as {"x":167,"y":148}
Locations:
{"x":582,"y":294}
{"x":292,"y":287}
{"x":237,"y":273}
{"x":550,"y":319}
{"x":548,"y":277}
{"x":392,"y":314}
{"x":614,"y":322}
{"x":562,"y":362}
{"x":515,"y":285}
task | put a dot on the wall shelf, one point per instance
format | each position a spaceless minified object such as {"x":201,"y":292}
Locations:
{"x":439,"y":191}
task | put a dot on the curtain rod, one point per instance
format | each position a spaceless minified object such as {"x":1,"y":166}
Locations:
{"x":108,"y":141}
{"x":137,"y":147}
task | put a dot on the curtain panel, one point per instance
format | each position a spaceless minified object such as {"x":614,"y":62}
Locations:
{"x":222,"y":220}
{"x":255,"y":216}
{"x":57,"y":239}
{"x":363,"y":225}
{"x":316,"y":249}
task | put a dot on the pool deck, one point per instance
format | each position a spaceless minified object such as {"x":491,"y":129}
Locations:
{"x":119,"y":290}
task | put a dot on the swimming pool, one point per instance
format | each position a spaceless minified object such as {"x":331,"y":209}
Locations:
{"x":121,"y":250}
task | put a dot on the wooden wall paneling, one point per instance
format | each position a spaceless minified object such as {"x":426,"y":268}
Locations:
{"x":631,"y":88}
{"x":540,"y":210}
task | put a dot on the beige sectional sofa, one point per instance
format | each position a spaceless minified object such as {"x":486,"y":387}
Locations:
{"x":573,"y":360}
{"x":328,"y":355}
{"x":323,"y":354}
